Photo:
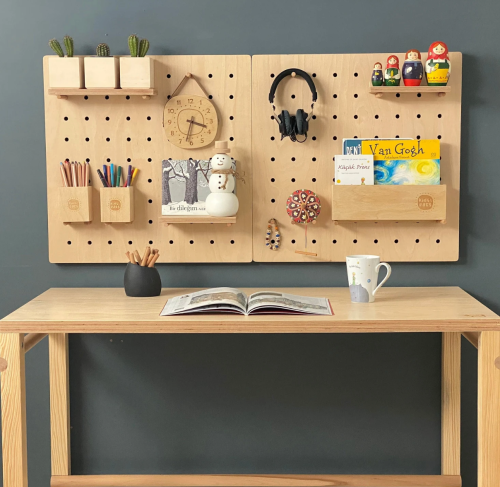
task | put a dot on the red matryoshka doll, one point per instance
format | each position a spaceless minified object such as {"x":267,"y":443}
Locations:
{"x":392,"y":73}
{"x":438,"y":65}
{"x":377,"y":75}
{"x":412,"y":68}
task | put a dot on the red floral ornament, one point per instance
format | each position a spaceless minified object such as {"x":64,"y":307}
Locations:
{"x":303,"y":206}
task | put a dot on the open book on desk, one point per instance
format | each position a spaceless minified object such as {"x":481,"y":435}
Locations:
{"x":231,"y":300}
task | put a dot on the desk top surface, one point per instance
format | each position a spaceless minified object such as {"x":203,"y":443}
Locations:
{"x":108,"y":310}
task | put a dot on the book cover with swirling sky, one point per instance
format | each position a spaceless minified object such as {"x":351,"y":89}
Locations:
{"x":404,"y":161}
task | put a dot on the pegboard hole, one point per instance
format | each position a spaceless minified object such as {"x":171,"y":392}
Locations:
{"x":439,"y":115}
{"x":314,"y":138}
{"x":355,"y":136}
{"x":148,"y":118}
{"x":231,"y":97}
{"x":334,"y":137}
{"x":272,"y":75}
{"x":314,"y":159}
{"x":171,"y":242}
{"x":375,"y":241}
{"x":66,"y":139}
{"x":169,"y":75}
{"x":397,"y":115}
{"x":293,"y":158}
{"x":106,"y":97}
{"x":334,"y":96}
{"x":128,"y":159}
{"x":107,"y":119}
{"x":376,"y":137}
{"x":334,"y":75}
{"x":191,"y":242}
{"x":355,"y":117}
{"x":334,"y":241}
{"x":376,"y":116}
{"x":231,"y":138}
{"x":439,"y":137}
{"x":272,"y":138}
{"x":313,"y":180}
{"x":417,"y":240}
{"x":69,"y":242}
{"x":90,"y":242}
{"x":314,"y":75}
{"x":355,"y":95}
{"x":108,"y":159}
{"x":273,"y":180}
{"x":109,"y":242}
{"x":210,"y":97}
{"x":272,"y":159}
{"x":355,"y":241}
{"x":293,"y":96}
{"x":231,"y":75}
{"x":418,"y":115}
{"x":396,"y":241}
{"x":397,"y":136}
{"x":149,"y":159}
{"x":212,"y":242}
{"x":149,"y":139}
{"x":127,"y":97}
{"x":293,"y":180}
{"x":398,"y":95}
{"x":438,"y":241}
{"x":293,"y":241}
{"x":87,"y":160}
{"x":210,"y":75}
{"x":150,"y":242}
{"x":150,"y":201}
{"x":128,"y":139}
{"x":313,"y":241}
{"x":232,"y":118}
{"x":419,"y":95}
{"x":418,"y":137}
{"x":130,"y":242}
{"x":150,"y":222}
{"x":335,"y":117}
{"x":150,"y":180}
{"x":273,"y":200}
{"x":128,"y":119}
{"x":232,"y":242}
{"x":87,"y":139}
{"x":66,"y":119}
{"x":355,"y":75}
{"x":86,"y":97}
{"x":107,"y":139}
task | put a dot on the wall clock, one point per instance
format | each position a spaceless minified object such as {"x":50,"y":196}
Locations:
{"x":190,"y":121}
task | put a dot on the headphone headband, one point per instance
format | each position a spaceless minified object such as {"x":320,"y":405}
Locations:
{"x":288,"y":72}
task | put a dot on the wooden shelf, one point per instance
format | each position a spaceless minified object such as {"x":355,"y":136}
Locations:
{"x":389,"y":203}
{"x":64,"y":93}
{"x":172,"y":220}
{"x":379,"y":91}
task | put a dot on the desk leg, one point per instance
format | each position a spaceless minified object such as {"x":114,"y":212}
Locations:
{"x":59,"y":404}
{"x":450,"y":404}
{"x":13,"y":390}
{"x":488,"y":427}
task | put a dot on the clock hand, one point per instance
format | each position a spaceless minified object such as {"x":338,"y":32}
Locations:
{"x":196,"y":123}
{"x":190,"y":128}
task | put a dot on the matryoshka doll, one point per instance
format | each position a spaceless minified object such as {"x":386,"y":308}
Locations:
{"x":392,"y":72}
{"x":412,"y":68}
{"x":377,"y":75}
{"x":438,"y":65}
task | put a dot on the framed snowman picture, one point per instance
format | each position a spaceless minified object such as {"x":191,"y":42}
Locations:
{"x":185,"y":186}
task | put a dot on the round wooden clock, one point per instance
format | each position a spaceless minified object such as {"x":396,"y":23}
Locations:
{"x":190,"y":121}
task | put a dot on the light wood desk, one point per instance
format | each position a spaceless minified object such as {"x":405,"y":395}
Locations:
{"x":58,"y":312}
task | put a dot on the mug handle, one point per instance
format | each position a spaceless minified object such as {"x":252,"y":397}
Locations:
{"x":389,"y":270}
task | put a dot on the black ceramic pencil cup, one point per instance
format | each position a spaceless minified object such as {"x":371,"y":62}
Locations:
{"x":141,"y":282}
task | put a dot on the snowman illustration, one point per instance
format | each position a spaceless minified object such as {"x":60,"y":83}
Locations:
{"x":221,"y":201}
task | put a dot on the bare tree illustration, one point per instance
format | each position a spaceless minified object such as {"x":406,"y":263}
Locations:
{"x":186,"y":172}
{"x":193,"y":168}
{"x":168,"y":173}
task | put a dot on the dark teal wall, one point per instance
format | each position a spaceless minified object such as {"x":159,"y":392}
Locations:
{"x":365,"y":404}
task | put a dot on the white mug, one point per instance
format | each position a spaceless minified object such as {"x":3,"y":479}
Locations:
{"x":362,"y":273}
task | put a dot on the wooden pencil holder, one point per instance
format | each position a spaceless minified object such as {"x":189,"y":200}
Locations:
{"x":102,"y":72}
{"x":137,"y":72}
{"x":75,"y":204}
{"x":117,"y":205}
{"x":66,"y":72}
{"x":141,"y":282}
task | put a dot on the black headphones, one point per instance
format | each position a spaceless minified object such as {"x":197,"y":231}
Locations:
{"x":289,"y":125}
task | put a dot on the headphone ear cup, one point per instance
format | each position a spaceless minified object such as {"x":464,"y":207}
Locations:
{"x":301,"y":122}
{"x":287,"y":123}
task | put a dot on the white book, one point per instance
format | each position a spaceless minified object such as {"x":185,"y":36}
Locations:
{"x":354,"y":170}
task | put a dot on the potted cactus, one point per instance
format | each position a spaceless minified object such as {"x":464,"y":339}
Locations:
{"x":103,"y":70}
{"x":65,"y":72}
{"x":137,"y":71}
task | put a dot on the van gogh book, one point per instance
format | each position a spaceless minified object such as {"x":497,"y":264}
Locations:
{"x":231,"y":300}
{"x":404,"y":161}
{"x":185,"y":186}
{"x":352,"y":147}
{"x":352,"y":170}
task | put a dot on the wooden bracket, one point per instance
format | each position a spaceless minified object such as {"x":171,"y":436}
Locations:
{"x":3,"y":364}
{"x":472,"y":337}
{"x":32,"y":339}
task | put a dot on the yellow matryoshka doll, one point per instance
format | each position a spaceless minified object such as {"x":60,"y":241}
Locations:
{"x":438,"y":64}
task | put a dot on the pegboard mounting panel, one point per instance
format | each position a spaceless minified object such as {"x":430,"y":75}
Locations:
{"x":128,"y":130}
{"x":346,"y":109}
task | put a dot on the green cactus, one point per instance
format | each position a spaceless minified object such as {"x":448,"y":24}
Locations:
{"x":143,"y":47}
{"x":68,"y":44}
{"x":102,"y":50}
{"x":56,"y":47}
{"x":133,"y":43}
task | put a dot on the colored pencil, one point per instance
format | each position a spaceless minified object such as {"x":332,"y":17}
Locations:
{"x":134,"y":175}
{"x":102,"y":178}
{"x":73,"y":174}
{"x":67,"y":168}
{"x":112,"y":174}
{"x":129,"y":176}
{"x":118,"y":176}
{"x":63,"y":175}
{"x":153,"y":260}
{"x":144,"y":261}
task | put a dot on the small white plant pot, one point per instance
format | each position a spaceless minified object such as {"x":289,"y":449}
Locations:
{"x":102,"y":72}
{"x":137,"y":72}
{"x":66,"y":72}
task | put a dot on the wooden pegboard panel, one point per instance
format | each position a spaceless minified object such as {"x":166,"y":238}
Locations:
{"x":346,"y":109}
{"x":119,"y":118}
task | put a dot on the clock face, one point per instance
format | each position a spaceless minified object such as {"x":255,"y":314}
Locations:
{"x":190,"y":121}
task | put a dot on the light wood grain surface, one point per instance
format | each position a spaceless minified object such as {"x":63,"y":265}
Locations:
{"x":257,"y":480}
{"x":108,"y":310}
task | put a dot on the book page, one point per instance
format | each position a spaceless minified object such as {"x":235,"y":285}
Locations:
{"x":292,"y":302}
{"x":219,"y":298}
